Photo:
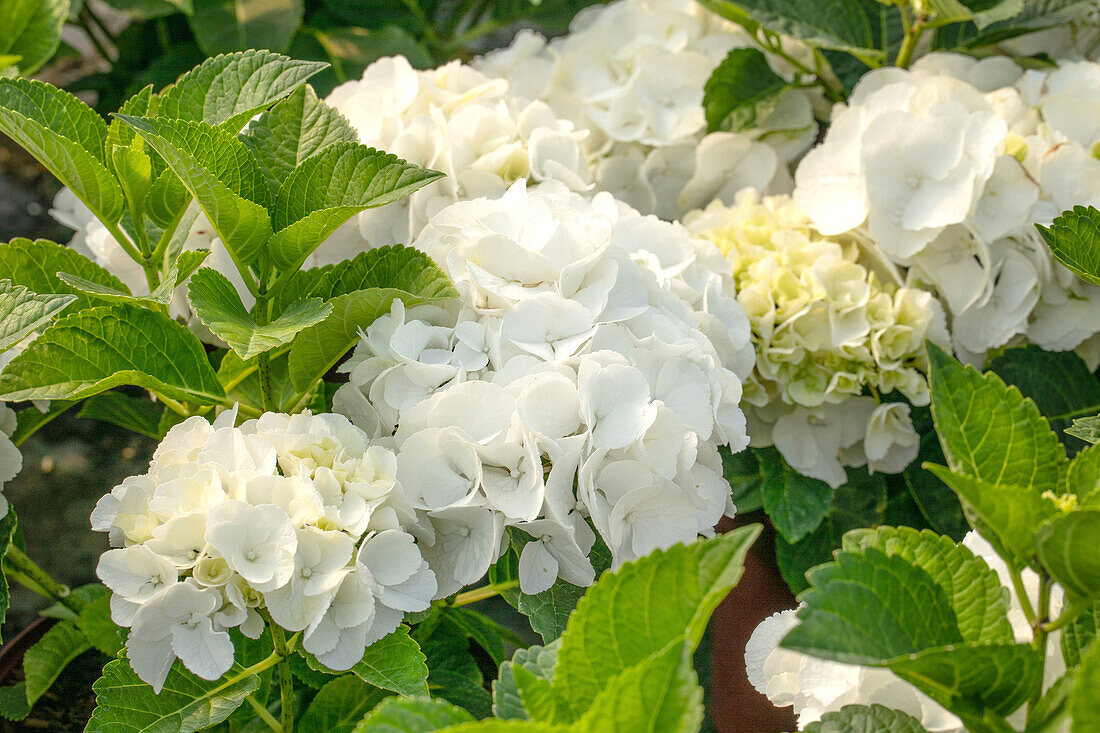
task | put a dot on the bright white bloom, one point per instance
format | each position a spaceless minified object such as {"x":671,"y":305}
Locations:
{"x":298,"y":514}
{"x":590,"y":370}
{"x":817,"y":686}
{"x":827,"y":323}
{"x":456,"y":120}
{"x":11,"y":460}
{"x":631,"y":73}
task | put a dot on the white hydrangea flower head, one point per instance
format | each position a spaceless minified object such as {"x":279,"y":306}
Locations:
{"x":457,"y":120}
{"x":11,"y":460}
{"x":299,"y":515}
{"x":827,"y":325}
{"x":588,"y":373}
{"x":816,"y":686}
{"x":631,"y":73}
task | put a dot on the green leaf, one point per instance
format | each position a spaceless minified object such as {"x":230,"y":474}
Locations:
{"x":968,"y":679}
{"x":8,"y":524}
{"x":538,"y":698}
{"x":869,"y":607}
{"x":1058,"y":382}
{"x":222,"y":175}
{"x":549,"y":611}
{"x":1006,"y":515}
{"x":743,"y":86}
{"x":32,"y":113}
{"x":742,"y":472}
{"x":185,"y":704}
{"x":331,"y":187}
{"x":1051,"y":713}
{"x":865,"y":719}
{"x":989,"y":430}
{"x":48,"y":658}
{"x":539,"y":661}
{"x":459,"y":689}
{"x":411,"y":715}
{"x":220,"y":309}
{"x":1074,"y":240}
{"x":661,"y":693}
{"x":394,"y":662}
{"x":101,"y":348}
{"x":146,"y":9}
{"x":229,"y":90}
{"x":641,"y":608}
{"x":1084,"y":702}
{"x":95,"y":623}
{"x":135,"y":414}
{"x":339,"y":705}
{"x":35,"y":265}
{"x":30,"y":419}
{"x":241,"y":379}
{"x":360,"y":290}
{"x":1069,"y":548}
{"x":488,"y":634}
{"x":32,"y":31}
{"x":293,"y":130}
{"x":1086,"y":428}
{"x":352,"y":49}
{"x":22,"y":312}
{"x":222,"y":26}
{"x":796,"y":504}
{"x":1036,"y":15}
{"x":1080,"y":633}
{"x":934,"y":499}
{"x":1083,"y":476}
{"x":974,"y":591}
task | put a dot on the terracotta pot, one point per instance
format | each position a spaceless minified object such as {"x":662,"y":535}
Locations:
{"x":11,"y":654}
{"x":735,"y":705}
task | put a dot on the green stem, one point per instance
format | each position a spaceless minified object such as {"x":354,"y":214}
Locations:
{"x":1039,"y":637}
{"x":123,"y":241}
{"x":99,"y":47}
{"x":162,"y":35}
{"x":913,"y":33}
{"x":100,"y":25}
{"x":263,"y":361}
{"x":1021,"y":595}
{"x":22,"y":569}
{"x":286,"y":679}
{"x":264,"y":714}
{"x":1068,"y":615}
{"x":480,"y":594}
{"x":774,"y":45}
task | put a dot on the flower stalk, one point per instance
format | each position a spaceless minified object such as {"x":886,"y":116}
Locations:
{"x":22,"y":569}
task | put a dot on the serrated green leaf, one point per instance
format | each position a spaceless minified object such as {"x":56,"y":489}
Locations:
{"x":865,"y":719}
{"x":869,"y":607}
{"x":100,"y":348}
{"x":339,"y":705}
{"x":394,"y":663}
{"x":142,"y":104}
{"x":1006,"y":515}
{"x":48,"y":658}
{"x":32,"y":31}
{"x":8,"y":524}
{"x":328,"y":189}
{"x":642,"y":607}
{"x":294,"y":129}
{"x":538,"y":698}
{"x":973,"y":679}
{"x":1074,"y":240}
{"x":1051,"y":713}
{"x":660,"y":693}
{"x":1083,"y":476}
{"x":167,"y":198}
{"x":989,"y":430}
{"x":743,"y":86}
{"x":488,"y":634}
{"x":360,"y":290}
{"x":411,"y":715}
{"x":1069,"y":548}
{"x":974,"y":591}
{"x":796,"y":504}
{"x":1036,"y":15}
{"x":185,"y":704}
{"x":934,"y":499}
{"x":135,"y":414}
{"x":219,"y":307}
{"x":35,"y":264}
{"x":1084,"y":702}
{"x":22,"y":312}
{"x":1079,"y":634}
{"x":549,"y":611}
{"x":94,"y":621}
{"x":222,"y":26}
{"x":1058,"y":382}
{"x":1086,"y":428}
{"x":742,"y":472}
{"x":459,"y":689}
{"x":537,"y":660}
{"x":134,"y":170}
{"x":221,"y":174}
{"x":32,"y":112}
{"x":229,"y":90}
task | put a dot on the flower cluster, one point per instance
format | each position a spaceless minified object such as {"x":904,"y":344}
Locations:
{"x":826,"y":329}
{"x":295,"y":516}
{"x":590,"y":371}
{"x":457,"y":120}
{"x":816,"y":686}
{"x":11,"y":460}
{"x":947,"y":167}
{"x":632,"y":74}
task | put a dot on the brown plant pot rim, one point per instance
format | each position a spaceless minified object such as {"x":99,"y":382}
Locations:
{"x":11,"y":654}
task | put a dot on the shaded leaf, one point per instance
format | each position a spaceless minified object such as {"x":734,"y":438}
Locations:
{"x":22,"y":312}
